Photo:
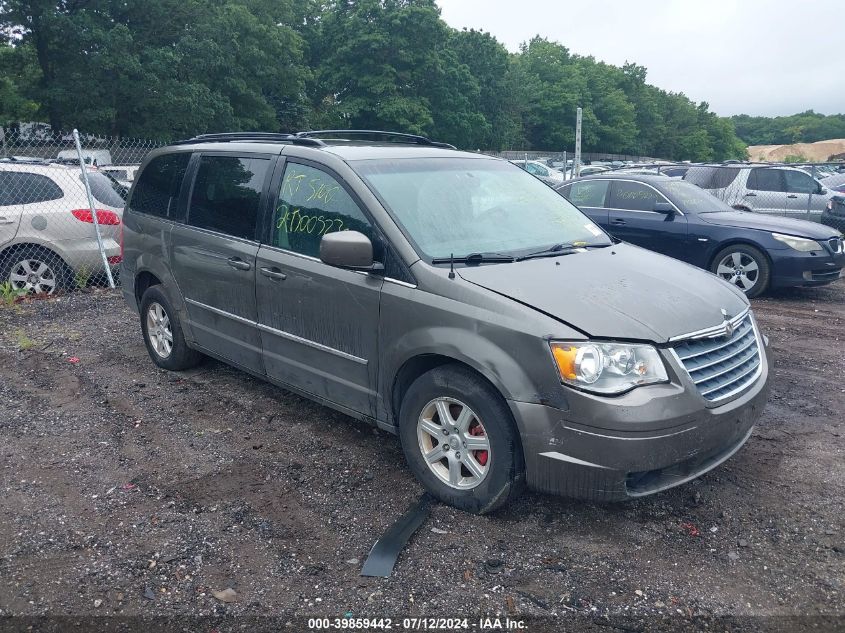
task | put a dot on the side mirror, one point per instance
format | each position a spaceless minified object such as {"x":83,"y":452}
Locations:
{"x":348,"y":249}
{"x":663,"y":207}
{"x":822,"y":191}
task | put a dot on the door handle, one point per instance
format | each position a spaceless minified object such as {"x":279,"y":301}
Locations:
{"x":792,"y":195}
{"x":273,"y":273}
{"x":751,"y":195}
{"x":5,"y":220}
{"x":238,"y":263}
{"x":618,"y":222}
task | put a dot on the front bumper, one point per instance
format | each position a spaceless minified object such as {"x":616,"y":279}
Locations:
{"x":793,"y":268}
{"x":588,"y":452}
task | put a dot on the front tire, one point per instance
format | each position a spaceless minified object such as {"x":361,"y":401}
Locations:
{"x":745,"y":267}
{"x":460,"y":440}
{"x":162,"y":332}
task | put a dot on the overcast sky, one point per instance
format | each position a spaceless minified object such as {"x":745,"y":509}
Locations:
{"x":763,"y":57}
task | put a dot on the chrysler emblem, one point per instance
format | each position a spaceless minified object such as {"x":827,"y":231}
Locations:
{"x":729,"y":327}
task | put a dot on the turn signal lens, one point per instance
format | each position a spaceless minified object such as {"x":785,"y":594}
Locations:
{"x":608,"y":368}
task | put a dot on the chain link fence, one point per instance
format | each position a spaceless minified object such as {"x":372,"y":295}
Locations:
{"x":51,"y":212}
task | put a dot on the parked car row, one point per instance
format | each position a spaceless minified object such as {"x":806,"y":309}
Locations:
{"x":752,"y":251}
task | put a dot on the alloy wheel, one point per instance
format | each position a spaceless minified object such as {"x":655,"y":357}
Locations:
{"x":159,"y":332}
{"x":739,"y":269}
{"x":34,"y":275}
{"x":454,"y":443}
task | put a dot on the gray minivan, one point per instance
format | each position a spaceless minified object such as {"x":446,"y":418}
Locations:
{"x":447,"y":297}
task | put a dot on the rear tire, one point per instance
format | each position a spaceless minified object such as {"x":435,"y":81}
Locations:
{"x":162,"y":332}
{"x":745,"y":267}
{"x":478,"y":465}
{"x":36,"y":270}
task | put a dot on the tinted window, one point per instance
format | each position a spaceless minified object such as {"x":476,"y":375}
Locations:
{"x":589,"y":193}
{"x":226,"y":194}
{"x":711,"y":177}
{"x":536,"y":170}
{"x":762,"y":179}
{"x":17,"y":187}
{"x":157,"y":189}
{"x":799,"y":182}
{"x":312,"y":203}
{"x":106,"y":190}
{"x":633,"y":195}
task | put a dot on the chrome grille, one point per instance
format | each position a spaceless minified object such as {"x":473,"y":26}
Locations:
{"x":720,"y":365}
{"x":836,"y":244}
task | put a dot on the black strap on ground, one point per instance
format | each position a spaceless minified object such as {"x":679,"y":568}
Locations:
{"x":386,"y":550}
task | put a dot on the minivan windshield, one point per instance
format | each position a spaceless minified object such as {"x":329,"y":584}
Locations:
{"x":692,"y":199}
{"x":467,"y":206}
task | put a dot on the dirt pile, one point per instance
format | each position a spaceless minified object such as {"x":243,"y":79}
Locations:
{"x":816,"y":152}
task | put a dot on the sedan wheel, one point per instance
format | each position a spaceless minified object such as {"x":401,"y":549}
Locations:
{"x":743,"y":266}
{"x":739,"y":269}
{"x":454,"y":443}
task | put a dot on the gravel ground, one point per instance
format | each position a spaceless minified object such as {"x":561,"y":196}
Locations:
{"x":131,"y":491}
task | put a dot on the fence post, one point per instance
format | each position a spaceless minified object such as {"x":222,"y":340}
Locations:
{"x":813,"y":172}
{"x":93,"y":207}
{"x":576,"y":164}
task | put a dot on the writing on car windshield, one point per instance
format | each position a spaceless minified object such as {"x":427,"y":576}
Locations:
{"x":466,"y":205}
{"x":693,"y":199}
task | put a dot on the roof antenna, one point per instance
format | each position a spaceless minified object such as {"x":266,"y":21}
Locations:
{"x":452,"y":266}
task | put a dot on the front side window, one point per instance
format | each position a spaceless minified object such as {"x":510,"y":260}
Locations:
{"x":463,"y":206}
{"x":764,"y":179}
{"x":634,"y":196}
{"x":312,"y":203}
{"x":226,"y":194}
{"x":588,"y":193}
{"x":799,"y":182}
{"x":18,"y":187}
{"x":157,"y":190}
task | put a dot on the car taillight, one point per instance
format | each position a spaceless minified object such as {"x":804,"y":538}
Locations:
{"x":105,"y":217}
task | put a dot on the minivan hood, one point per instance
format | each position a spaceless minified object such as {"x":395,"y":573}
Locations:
{"x":618,"y":292}
{"x":764,"y":222}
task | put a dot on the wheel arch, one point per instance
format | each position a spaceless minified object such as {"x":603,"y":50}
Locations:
{"x":742,"y":242}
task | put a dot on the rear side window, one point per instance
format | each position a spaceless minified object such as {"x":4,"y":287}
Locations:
{"x":711,"y":177}
{"x":764,"y":179}
{"x":106,"y":190}
{"x":634,"y":196}
{"x":19,"y":187}
{"x":588,"y":193}
{"x":312,"y":203}
{"x":157,"y":190}
{"x":226,"y":194}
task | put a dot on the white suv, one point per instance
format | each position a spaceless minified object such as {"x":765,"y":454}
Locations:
{"x":47,"y":232}
{"x":775,"y":190}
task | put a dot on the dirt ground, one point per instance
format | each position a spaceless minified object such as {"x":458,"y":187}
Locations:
{"x":131,"y":491}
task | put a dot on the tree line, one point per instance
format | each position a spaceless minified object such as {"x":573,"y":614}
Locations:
{"x":806,"y":127}
{"x":168,"y":69}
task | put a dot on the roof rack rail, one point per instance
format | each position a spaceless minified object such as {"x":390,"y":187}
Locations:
{"x":413,"y":139}
{"x":266,"y":137}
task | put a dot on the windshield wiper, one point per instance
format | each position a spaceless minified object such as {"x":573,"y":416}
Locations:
{"x":564,"y":248}
{"x":476,"y":258}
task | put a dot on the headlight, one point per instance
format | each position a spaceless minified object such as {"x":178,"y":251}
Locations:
{"x":608,"y":368}
{"x":798,"y":243}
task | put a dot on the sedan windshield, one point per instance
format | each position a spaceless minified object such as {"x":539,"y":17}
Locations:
{"x":466,"y":206}
{"x":692,"y":199}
